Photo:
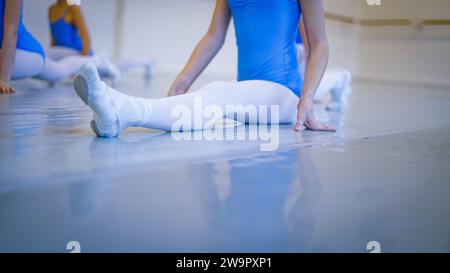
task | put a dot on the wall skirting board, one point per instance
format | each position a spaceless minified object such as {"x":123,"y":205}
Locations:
{"x":399,"y":81}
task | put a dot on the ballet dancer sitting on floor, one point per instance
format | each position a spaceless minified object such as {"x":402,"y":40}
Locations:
{"x":69,"y":31}
{"x":268,"y":73}
{"x":22,"y":56}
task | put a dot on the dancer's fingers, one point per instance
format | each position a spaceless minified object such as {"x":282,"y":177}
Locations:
{"x":316,"y":126}
{"x":7,"y":90}
{"x":298,"y":126}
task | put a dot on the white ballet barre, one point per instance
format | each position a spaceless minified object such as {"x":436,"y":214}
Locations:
{"x":386,"y":22}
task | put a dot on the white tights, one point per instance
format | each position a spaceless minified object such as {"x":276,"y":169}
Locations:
{"x":27,"y":64}
{"x":335,"y":82}
{"x":63,"y":66}
{"x":228,"y":96}
{"x":114,"y":111}
{"x":57,"y":53}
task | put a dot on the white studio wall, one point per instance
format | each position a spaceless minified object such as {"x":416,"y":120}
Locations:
{"x":343,"y":39}
{"x":402,"y":53}
{"x":168,"y":31}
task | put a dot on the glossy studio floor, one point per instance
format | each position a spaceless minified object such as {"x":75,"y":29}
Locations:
{"x":384,"y":177}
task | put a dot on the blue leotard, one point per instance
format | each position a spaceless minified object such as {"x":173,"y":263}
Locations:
{"x":299,"y":39}
{"x":66,"y":35}
{"x":25,"y":41}
{"x":265,"y":34}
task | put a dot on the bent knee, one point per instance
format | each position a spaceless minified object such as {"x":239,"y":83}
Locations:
{"x":27,"y":64}
{"x":216,"y":88}
{"x":217,"y":85}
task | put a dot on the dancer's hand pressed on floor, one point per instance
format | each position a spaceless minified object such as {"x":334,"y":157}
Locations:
{"x":5,"y":88}
{"x":306,"y":117}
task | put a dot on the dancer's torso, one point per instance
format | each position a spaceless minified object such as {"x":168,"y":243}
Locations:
{"x":265,"y":33}
{"x":25,"y":41}
{"x":65,"y":34}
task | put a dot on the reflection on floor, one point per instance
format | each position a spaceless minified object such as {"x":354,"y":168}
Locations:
{"x":383,"y":177}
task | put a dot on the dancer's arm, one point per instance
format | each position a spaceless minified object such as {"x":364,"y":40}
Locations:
{"x":302,"y":30}
{"x":8,"y":51}
{"x":50,"y":15}
{"x":205,"y":50}
{"x":80,"y":24}
{"x":317,"y":43}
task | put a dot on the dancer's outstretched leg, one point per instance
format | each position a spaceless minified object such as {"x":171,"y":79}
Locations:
{"x":341,"y":90}
{"x":337,"y":83}
{"x":114,"y":111}
{"x":343,"y":86}
{"x":27,"y":64}
{"x":70,"y":65}
{"x":57,"y":53}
